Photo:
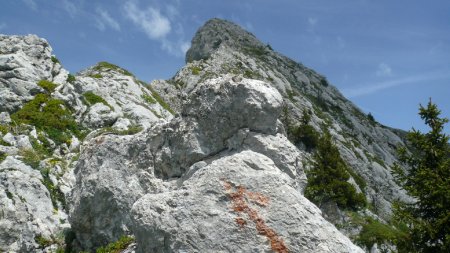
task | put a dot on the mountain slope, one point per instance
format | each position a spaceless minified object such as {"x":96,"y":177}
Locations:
{"x":209,"y":160}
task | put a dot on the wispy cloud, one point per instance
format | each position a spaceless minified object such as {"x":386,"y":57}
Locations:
{"x":31,"y":4}
{"x":70,"y":8}
{"x":151,"y":21}
{"x":373,"y":88}
{"x":312,"y":21}
{"x":105,"y":20}
{"x":158,"y":26}
{"x":384,"y":70}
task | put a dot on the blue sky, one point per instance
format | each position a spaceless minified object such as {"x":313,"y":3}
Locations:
{"x":386,"y":56}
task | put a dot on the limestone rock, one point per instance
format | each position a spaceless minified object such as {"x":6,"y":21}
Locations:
{"x":239,"y":203}
{"x":26,"y":208}
{"x":24,"y":60}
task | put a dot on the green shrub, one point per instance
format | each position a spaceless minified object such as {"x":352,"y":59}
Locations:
{"x":195,"y":70}
{"x":49,"y":115}
{"x":106,"y":65}
{"x":118,"y":246}
{"x":70,"y":78}
{"x":304,"y":132}
{"x":54,"y":59}
{"x":47,"y":85}
{"x":43,"y":242}
{"x":324,"y":82}
{"x":31,"y":157}
{"x":130,"y":131}
{"x":4,"y":129}
{"x":148,"y":99}
{"x":93,"y":99}
{"x":98,"y":76}
{"x":374,"y":231}
{"x":2,"y":157}
{"x":327,"y":180}
{"x":160,"y":100}
{"x":56,"y":195}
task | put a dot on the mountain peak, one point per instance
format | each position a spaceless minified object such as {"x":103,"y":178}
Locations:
{"x":216,"y":33}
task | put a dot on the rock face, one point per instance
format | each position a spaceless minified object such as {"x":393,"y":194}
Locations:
{"x":114,"y":173}
{"x":27,"y":213}
{"x":203,"y":162}
{"x":23,"y":62}
{"x":240,"y":202}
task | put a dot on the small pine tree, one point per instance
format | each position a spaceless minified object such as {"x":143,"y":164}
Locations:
{"x":427,"y":179}
{"x":327,"y":180}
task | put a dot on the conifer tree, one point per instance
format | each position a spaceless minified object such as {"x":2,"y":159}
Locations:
{"x":427,"y":179}
{"x":327,"y":180}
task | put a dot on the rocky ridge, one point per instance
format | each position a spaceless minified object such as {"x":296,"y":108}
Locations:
{"x":198,"y":163}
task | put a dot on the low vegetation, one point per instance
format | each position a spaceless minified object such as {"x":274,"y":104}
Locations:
{"x":91,"y":98}
{"x":118,"y":246}
{"x":148,"y":99}
{"x":106,"y":65}
{"x":54,"y":59}
{"x":49,"y":115}
{"x":47,"y":85}
{"x":159,"y":99}
{"x":56,"y":195}
{"x":70,"y":78}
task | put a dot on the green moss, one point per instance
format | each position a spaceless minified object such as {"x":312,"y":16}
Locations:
{"x":106,"y":65}
{"x":49,"y":115}
{"x":70,"y":78}
{"x":148,"y":99}
{"x":54,"y":59}
{"x":47,"y":85}
{"x":93,"y":99}
{"x":160,"y":100}
{"x":117,"y":246}
{"x":98,"y":76}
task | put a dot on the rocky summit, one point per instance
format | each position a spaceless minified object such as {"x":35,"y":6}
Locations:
{"x":219,"y":158}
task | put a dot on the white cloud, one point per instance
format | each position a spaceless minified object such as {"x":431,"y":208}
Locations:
{"x":158,"y":26}
{"x":178,"y":48}
{"x":384,"y":70}
{"x":31,"y":4}
{"x":373,"y":88}
{"x":312,"y":21}
{"x":104,"y":20}
{"x":70,"y":8}
{"x":151,"y":21}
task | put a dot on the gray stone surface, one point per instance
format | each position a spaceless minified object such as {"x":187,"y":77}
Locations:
{"x":238,"y":203}
{"x":26,"y":210}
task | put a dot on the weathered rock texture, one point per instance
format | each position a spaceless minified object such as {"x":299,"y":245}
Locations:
{"x":198,"y":163}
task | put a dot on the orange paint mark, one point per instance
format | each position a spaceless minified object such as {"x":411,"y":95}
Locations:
{"x":240,"y":200}
{"x":241,"y":222}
